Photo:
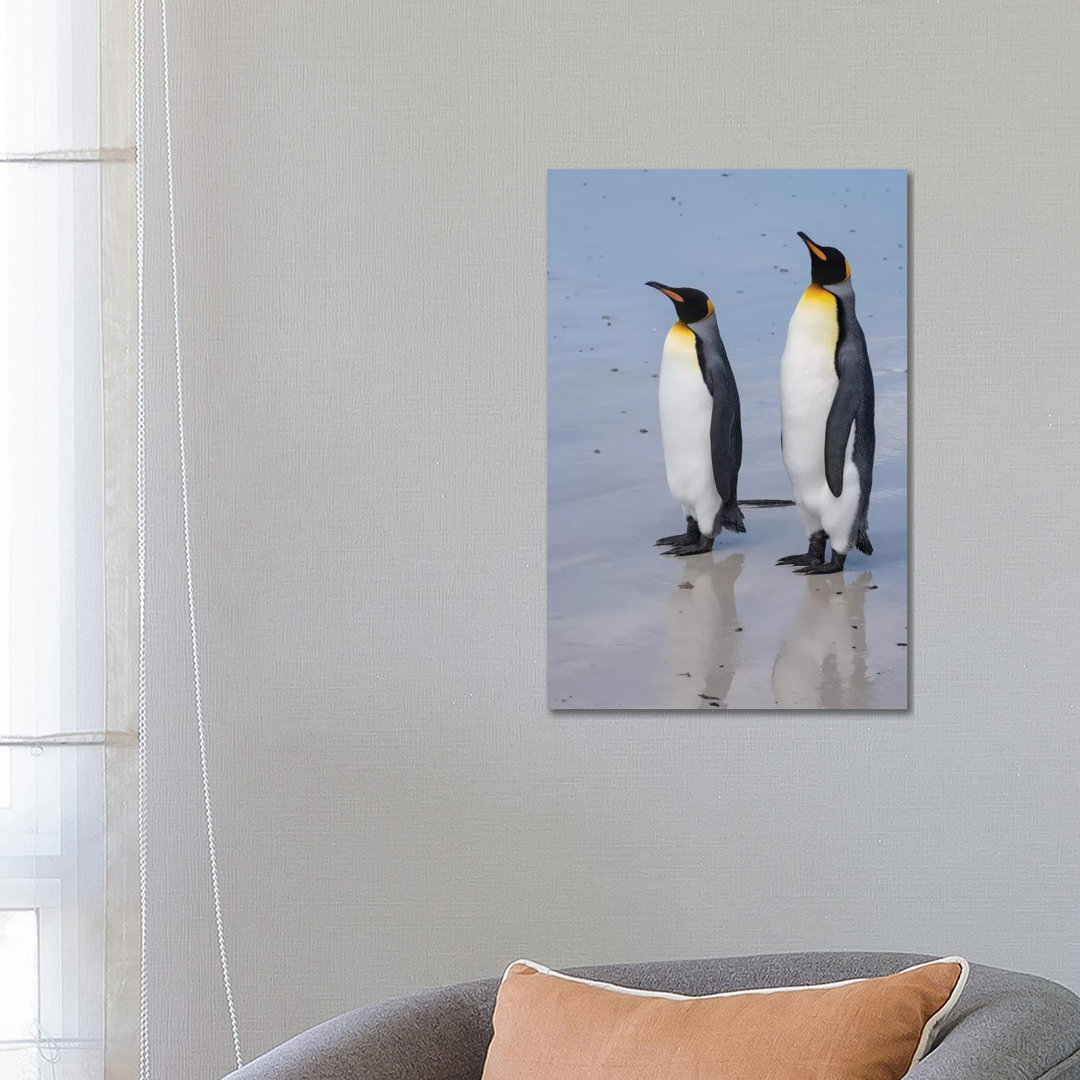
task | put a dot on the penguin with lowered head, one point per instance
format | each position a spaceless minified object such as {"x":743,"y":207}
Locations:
{"x":827,"y":415}
{"x":700,"y":424}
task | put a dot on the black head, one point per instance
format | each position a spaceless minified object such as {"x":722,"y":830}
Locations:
{"x":691,"y":305}
{"x":827,"y":265}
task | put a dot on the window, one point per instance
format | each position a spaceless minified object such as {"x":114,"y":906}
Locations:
{"x":52,"y":853}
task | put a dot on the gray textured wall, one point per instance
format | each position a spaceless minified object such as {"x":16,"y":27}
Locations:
{"x":361,"y":194}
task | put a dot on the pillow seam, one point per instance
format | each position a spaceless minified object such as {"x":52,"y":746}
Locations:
{"x":933,"y":1024}
{"x":541,"y":969}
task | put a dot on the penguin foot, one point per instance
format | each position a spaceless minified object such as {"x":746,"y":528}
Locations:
{"x":702,"y":546}
{"x":691,"y":536}
{"x":813,"y":556}
{"x":803,"y":559}
{"x":834,"y":566}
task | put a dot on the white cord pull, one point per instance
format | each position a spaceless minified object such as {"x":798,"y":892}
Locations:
{"x":140,"y":213}
{"x":140,"y":440}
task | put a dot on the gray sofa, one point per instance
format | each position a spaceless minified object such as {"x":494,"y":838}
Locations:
{"x":1006,"y":1026}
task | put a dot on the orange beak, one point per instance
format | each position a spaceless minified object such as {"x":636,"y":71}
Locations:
{"x":814,"y":249}
{"x":672,"y":295}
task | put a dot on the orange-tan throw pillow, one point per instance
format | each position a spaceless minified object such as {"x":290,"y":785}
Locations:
{"x":550,"y":1026}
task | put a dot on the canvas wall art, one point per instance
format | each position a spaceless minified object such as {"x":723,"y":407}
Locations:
{"x":727,"y":439}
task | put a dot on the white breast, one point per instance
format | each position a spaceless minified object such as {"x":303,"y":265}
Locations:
{"x":808,"y":384}
{"x":685,"y":419}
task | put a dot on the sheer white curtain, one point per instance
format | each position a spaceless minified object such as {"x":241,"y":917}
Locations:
{"x":52,"y":543}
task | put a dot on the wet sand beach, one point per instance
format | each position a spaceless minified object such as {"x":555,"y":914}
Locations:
{"x":628,"y":627}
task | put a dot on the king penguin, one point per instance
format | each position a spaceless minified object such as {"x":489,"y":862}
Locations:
{"x":827,"y":415}
{"x":700,"y":425}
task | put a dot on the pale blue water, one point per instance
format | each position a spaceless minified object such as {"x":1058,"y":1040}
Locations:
{"x":732,"y":234}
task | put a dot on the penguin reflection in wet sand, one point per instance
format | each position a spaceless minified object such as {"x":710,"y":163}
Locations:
{"x":700,"y":424}
{"x":827,"y":415}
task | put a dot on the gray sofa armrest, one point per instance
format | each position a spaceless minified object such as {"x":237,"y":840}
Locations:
{"x":440,"y":1034}
{"x":1007,"y":1026}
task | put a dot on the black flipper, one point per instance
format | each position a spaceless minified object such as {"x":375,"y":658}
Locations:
{"x":837,"y":433}
{"x":725,"y":430}
{"x":853,"y":404}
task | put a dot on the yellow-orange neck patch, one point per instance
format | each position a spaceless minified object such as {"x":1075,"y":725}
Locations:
{"x":816,"y":294}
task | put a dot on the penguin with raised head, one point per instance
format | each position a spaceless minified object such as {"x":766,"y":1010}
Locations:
{"x":700,"y":425}
{"x":827,"y":415}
